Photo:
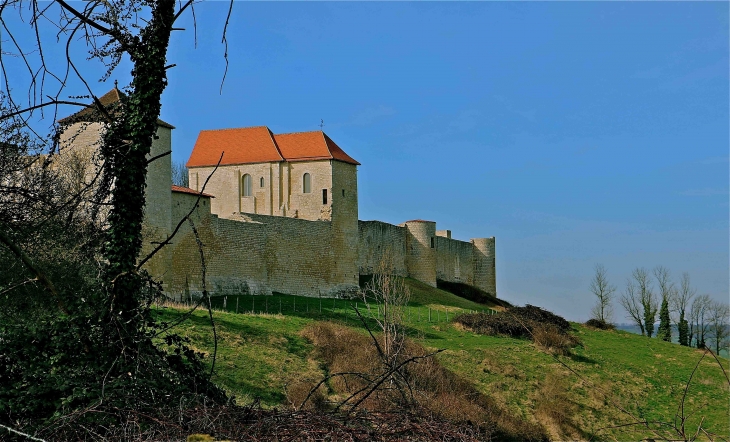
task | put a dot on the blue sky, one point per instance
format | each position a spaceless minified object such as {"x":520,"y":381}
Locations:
{"x":575,"y":133}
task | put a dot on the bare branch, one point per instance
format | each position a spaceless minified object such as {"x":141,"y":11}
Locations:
{"x":38,"y":106}
{"x":87,"y":20}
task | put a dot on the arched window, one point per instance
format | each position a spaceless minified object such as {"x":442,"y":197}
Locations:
{"x":307,"y":185}
{"x":261,"y":182}
{"x":246,"y":182}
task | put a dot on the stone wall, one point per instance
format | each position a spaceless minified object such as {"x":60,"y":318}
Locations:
{"x":483,"y":255}
{"x":260,"y":254}
{"x":378,"y":239}
{"x":454,"y":260}
{"x":420,"y":251}
{"x":256,"y":254}
{"x":282,"y":193}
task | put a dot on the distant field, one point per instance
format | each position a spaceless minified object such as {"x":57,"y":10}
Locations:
{"x":260,"y":354}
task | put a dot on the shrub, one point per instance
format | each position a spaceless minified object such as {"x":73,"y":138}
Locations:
{"x":602,"y":325}
{"x":538,"y":315}
{"x":299,"y":390}
{"x":552,"y":340}
{"x":548,"y":330}
{"x":499,"y":324}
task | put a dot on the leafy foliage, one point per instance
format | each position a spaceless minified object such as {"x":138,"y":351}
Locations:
{"x":665,"y":327}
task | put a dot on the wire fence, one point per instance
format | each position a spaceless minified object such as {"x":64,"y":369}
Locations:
{"x":330,"y":308}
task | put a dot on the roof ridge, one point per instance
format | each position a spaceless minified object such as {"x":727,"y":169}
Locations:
{"x":326,"y":145}
{"x":302,"y":132}
{"x":273,"y":140}
{"x":233,"y":128}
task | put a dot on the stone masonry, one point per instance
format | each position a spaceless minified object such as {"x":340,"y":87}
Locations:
{"x":280,"y":214}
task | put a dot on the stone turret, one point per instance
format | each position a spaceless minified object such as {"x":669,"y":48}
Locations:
{"x":420,"y":250}
{"x":483,"y":257}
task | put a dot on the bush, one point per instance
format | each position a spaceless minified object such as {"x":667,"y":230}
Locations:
{"x":552,"y":340}
{"x":538,"y":315}
{"x":602,"y":325}
{"x":499,"y":324}
{"x":548,"y":330}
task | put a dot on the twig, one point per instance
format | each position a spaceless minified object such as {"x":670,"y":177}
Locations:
{"x":20,"y":433}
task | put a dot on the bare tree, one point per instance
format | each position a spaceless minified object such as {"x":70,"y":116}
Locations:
{"x":664,"y":281}
{"x":679,"y":303}
{"x":699,"y":316}
{"x":719,"y":314}
{"x":631,"y":303}
{"x":390,"y":295}
{"x":180,"y":175}
{"x":639,"y":301}
{"x":604,"y":292}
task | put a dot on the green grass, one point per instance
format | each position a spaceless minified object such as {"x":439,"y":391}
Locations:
{"x":260,"y":354}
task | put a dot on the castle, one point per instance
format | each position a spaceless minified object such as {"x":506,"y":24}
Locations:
{"x":278,"y":213}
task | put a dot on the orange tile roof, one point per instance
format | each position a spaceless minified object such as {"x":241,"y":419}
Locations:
{"x":239,"y":146}
{"x":108,"y":100}
{"x":181,"y":189}
{"x":260,"y":145}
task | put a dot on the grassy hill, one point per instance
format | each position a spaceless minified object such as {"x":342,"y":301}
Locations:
{"x":614,"y":378}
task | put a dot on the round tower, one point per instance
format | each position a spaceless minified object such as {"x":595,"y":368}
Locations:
{"x":420,"y":251}
{"x":483,"y":257}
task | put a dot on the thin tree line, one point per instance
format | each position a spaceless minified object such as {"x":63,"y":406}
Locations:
{"x":653,"y":296}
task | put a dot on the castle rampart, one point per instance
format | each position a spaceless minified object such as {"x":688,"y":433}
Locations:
{"x":280,"y":214}
{"x":484,"y":265}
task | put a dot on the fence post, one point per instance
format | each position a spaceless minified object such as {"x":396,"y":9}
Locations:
{"x":447,"y":315}
{"x":225,"y":303}
{"x":279,"y":305}
{"x":237,"y":297}
{"x":253,"y":304}
{"x":438,"y":316}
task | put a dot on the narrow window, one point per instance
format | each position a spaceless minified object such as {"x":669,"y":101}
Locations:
{"x":432,"y":242}
{"x":246,"y":181}
{"x":307,"y":185}
{"x":324,"y":196}
{"x":343,"y":192}
{"x":261,"y":181}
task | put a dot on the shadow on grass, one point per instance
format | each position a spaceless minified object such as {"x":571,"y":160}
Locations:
{"x":582,"y":358}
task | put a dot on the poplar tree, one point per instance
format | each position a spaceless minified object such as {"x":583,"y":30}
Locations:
{"x":665,"y":327}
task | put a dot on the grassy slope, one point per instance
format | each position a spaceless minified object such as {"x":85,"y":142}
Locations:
{"x":258,"y":355}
